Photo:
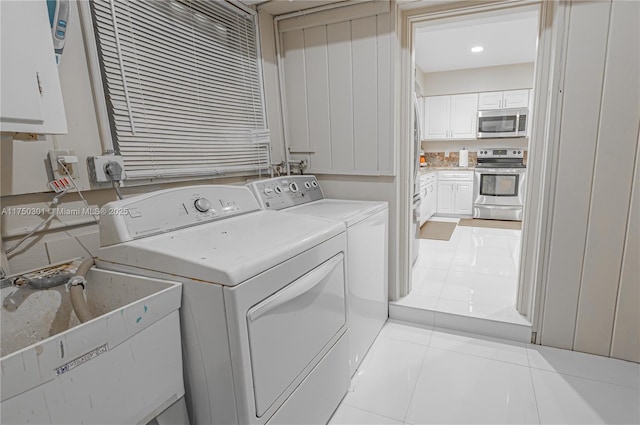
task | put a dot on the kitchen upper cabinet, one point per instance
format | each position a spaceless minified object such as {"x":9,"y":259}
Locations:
{"x":437,"y":116}
{"x":451,"y":117}
{"x":455,"y":192}
{"x":503,"y":99}
{"x":31,"y":96}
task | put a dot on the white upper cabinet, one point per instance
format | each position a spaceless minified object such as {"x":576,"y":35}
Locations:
{"x":503,"y":99}
{"x":31,"y":97}
{"x":516,"y":99}
{"x":490,"y":100}
{"x":464,"y":116}
{"x":451,"y":117}
{"x":437,"y":111}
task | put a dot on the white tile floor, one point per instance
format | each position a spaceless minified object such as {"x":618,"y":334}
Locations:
{"x":416,"y":375}
{"x":473,"y":274}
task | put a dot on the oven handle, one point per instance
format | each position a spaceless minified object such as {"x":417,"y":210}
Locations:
{"x":297,"y":288}
{"x":501,"y":170}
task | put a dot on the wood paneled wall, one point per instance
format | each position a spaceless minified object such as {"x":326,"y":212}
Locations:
{"x":592,"y":296}
{"x":337,"y":80}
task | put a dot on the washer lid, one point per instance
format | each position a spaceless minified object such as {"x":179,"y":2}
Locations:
{"x":351,"y":212}
{"x":227,"y":252}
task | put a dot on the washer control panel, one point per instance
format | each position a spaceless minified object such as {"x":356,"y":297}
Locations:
{"x":167,"y":210}
{"x":286,"y":191}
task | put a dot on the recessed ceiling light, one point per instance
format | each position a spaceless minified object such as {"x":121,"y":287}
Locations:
{"x":477,"y":49}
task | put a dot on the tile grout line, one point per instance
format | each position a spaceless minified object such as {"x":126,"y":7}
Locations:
{"x":481,"y":357}
{"x":404,"y":420}
{"x":368,"y":411}
{"x":533,"y":386}
{"x":586,"y":379}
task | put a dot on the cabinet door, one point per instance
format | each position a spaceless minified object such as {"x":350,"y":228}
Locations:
{"x":431,"y":200}
{"x":424,"y":204}
{"x":464,"y":198}
{"x":436,"y":117}
{"x":464,"y":116}
{"x":516,"y":99}
{"x":31,"y":96}
{"x":446,"y":197}
{"x":490,"y":100}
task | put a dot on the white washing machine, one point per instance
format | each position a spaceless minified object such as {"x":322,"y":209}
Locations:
{"x":367,"y":250}
{"x":263,"y":312}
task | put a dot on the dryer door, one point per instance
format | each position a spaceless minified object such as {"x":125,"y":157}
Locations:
{"x":290,"y":328}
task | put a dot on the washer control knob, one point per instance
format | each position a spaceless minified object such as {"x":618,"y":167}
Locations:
{"x":268,"y":191}
{"x":314,"y":183}
{"x":277,"y":189}
{"x":202,"y":204}
{"x":294,"y":187}
{"x":307,"y":185}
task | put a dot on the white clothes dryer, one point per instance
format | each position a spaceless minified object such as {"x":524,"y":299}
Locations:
{"x":263,"y":313}
{"x":367,"y":250}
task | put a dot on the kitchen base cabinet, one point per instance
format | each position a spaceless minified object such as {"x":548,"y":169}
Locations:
{"x":428,"y":197}
{"x":455,"y":192}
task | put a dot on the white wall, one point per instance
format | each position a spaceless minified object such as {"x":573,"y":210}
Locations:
{"x":592,"y":260}
{"x":492,"y":78}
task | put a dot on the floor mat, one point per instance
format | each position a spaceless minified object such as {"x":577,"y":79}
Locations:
{"x":438,"y":230}
{"x":496,"y":224}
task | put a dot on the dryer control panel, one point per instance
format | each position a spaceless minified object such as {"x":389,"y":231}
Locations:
{"x":171,"y":209}
{"x":286,"y":191}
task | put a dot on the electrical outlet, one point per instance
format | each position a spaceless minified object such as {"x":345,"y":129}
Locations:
{"x":446,"y":154}
{"x":96,"y":166}
{"x":70,"y":162}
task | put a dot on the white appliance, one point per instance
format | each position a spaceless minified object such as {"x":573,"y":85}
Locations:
{"x":263,"y":312}
{"x":367,"y":250}
{"x":502,"y":123}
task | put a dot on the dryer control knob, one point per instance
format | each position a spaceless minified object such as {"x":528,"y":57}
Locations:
{"x":202,"y":204}
{"x":268,"y":191}
{"x":307,"y":185}
{"x":314,"y":183}
{"x":277,"y":189}
{"x":293,"y":186}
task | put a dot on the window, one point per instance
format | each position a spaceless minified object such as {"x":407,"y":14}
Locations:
{"x":183,"y":87}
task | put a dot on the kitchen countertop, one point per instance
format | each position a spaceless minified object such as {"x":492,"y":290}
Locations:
{"x":428,"y":169}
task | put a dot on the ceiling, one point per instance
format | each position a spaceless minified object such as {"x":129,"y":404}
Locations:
{"x":507,"y":38}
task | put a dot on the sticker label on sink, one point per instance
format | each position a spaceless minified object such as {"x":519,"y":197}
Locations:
{"x":82,"y":359}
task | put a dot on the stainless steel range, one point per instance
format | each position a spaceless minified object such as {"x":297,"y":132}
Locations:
{"x":499,"y":184}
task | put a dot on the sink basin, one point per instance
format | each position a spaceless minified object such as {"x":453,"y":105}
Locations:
{"x":123,"y":366}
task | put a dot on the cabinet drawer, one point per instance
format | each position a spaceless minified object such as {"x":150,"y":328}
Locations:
{"x":455,"y":175}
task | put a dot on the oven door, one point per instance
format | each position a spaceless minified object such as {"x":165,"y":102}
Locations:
{"x":499,"y":193}
{"x":499,"y":186}
{"x":502,"y":123}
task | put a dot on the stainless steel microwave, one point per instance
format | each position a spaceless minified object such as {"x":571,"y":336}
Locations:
{"x":502,"y":123}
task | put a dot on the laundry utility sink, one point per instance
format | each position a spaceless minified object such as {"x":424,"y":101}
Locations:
{"x":123,"y":366}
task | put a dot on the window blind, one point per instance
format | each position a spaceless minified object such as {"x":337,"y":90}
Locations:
{"x":183,"y":86}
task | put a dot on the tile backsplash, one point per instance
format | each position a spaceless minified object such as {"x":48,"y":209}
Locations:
{"x":437,"y":159}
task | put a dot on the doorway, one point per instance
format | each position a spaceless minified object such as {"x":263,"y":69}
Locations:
{"x":469,"y":278}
